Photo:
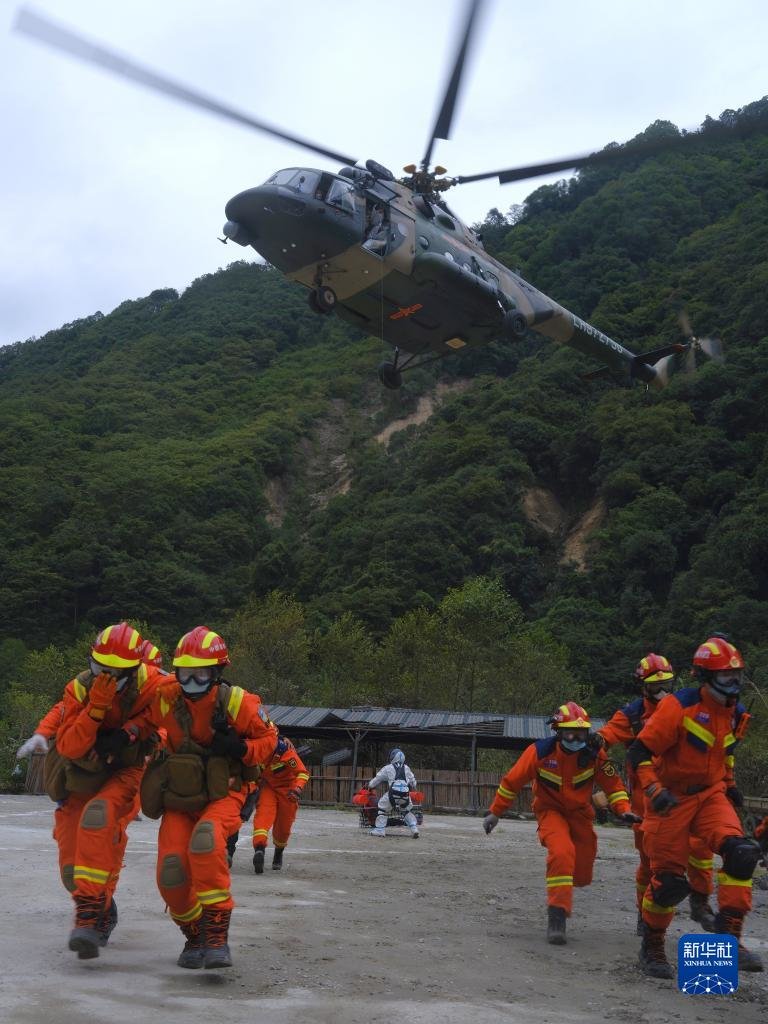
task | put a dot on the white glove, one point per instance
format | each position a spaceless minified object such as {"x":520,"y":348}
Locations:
{"x":370,"y":785}
{"x":36,"y":744}
{"x":490,"y":821}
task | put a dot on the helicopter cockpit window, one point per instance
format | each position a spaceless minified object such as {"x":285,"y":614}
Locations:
{"x":341,"y":195}
{"x":282,"y":177}
{"x":304,"y":181}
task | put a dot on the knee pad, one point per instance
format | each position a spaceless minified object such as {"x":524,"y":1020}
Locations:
{"x":172,"y":874}
{"x":202,"y":840}
{"x":669,"y":889}
{"x":740,"y":856}
{"x":68,"y":877}
{"x":95,"y":815}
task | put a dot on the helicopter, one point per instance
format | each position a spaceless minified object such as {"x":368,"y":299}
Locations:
{"x":386,"y":253}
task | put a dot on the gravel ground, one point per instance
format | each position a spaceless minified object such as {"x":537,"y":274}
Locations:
{"x":447,"y":929}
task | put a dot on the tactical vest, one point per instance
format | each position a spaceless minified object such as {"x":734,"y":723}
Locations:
{"x":64,"y":775}
{"x":192,"y":776}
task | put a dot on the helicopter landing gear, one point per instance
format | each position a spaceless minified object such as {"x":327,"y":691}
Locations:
{"x":390,"y":376}
{"x":325,"y":298}
{"x":315,"y":306}
{"x":515,"y":325}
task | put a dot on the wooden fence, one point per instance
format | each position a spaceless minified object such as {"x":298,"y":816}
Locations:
{"x":443,"y":790}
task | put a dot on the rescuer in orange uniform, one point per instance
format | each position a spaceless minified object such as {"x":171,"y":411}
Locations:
{"x":656,"y":678}
{"x":101,"y":744}
{"x":681,"y":757}
{"x":564,"y":770}
{"x":279,"y":793}
{"x":215,"y":734}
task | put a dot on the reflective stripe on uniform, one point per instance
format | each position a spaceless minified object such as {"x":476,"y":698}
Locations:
{"x":505,"y":794}
{"x":550,"y":776}
{"x":583,"y":776}
{"x":213,"y":896}
{"x":620,"y":794}
{"x":235,"y":700}
{"x":79,"y":690}
{"x":189,"y":915}
{"x":554,"y":880}
{"x":655,"y":908}
{"x":723,"y":879}
{"x":704,"y":865}
{"x":698,"y":730}
{"x":91,"y":874}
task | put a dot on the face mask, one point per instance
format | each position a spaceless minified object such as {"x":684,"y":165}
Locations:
{"x":657,"y":695}
{"x":572,"y":746}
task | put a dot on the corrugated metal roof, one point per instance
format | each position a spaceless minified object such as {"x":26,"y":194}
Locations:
{"x":471,"y":723}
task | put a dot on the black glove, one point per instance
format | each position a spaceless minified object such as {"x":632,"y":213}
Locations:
{"x":662,"y":801}
{"x":229,"y":744}
{"x":110,"y":742}
{"x":596,"y":742}
{"x":734,"y":794}
{"x":629,"y":818}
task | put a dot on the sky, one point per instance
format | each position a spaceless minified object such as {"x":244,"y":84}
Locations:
{"x":109,"y":191}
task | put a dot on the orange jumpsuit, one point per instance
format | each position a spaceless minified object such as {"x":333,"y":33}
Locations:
{"x":623,"y":727}
{"x":692,"y":739}
{"x":192,"y":869}
{"x":49,"y":724}
{"x":562,"y":803}
{"x":276,"y":810}
{"x":90,"y":828}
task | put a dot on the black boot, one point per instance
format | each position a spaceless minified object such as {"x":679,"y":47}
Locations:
{"x":730,"y":922}
{"x":85,"y":937}
{"x":701,"y":910}
{"x":258,"y":860}
{"x":214,"y":925}
{"x":277,"y":858}
{"x":108,"y":923}
{"x":640,"y":926}
{"x":193,"y":954}
{"x":653,"y":959}
{"x":556,"y":926}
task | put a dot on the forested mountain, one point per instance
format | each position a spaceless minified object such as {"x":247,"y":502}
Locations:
{"x":213,"y":457}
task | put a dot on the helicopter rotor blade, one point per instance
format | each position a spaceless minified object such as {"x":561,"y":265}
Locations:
{"x":685,"y":323}
{"x":643,"y":149}
{"x":713,"y":348}
{"x":442,"y":129}
{"x":44,"y":31}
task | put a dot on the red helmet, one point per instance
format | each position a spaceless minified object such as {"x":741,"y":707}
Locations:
{"x":200,"y":647}
{"x":117,"y":646}
{"x":570,"y":716}
{"x":654,"y":668}
{"x":150,"y":654}
{"x":717,"y":655}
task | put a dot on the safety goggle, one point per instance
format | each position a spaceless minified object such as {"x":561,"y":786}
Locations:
{"x":572,"y":735}
{"x":728,"y":682}
{"x":196,"y":680}
{"x":120,"y":674}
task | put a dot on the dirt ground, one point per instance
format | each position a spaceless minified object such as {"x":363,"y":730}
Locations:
{"x":447,"y":929}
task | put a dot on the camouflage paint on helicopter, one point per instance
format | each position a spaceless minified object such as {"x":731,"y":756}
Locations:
{"x":420,"y":279}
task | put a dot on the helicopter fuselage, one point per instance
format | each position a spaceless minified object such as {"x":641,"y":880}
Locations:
{"x":402,"y":266}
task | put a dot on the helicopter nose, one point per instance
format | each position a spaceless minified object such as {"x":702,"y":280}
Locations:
{"x":242,"y":211}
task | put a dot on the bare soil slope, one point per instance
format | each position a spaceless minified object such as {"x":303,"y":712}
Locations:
{"x":447,"y":929}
